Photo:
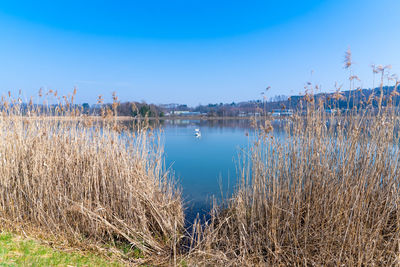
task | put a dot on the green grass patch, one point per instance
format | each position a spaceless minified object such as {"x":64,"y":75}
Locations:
{"x":17,"y":251}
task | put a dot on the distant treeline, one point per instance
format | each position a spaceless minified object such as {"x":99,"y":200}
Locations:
{"x":337,"y":100}
{"x":131,"y":109}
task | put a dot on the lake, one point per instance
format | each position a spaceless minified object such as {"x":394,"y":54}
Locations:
{"x":205,"y":166}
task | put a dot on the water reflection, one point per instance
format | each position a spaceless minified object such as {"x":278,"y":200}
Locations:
{"x":205,"y":166}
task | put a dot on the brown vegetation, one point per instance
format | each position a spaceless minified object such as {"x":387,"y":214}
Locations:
{"x":326,"y":195}
{"x":84,"y":180}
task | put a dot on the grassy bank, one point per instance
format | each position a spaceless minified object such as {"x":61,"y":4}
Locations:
{"x":19,"y":251}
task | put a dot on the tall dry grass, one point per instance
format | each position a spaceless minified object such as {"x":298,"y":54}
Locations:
{"x":84,"y":179}
{"x":324,"y":194}
{"x":327,"y":194}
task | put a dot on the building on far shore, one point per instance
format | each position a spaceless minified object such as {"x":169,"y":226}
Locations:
{"x":184,"y":113}
{"x":282,"y":113}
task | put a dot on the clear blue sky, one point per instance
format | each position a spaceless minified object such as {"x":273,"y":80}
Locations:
{"x":184,"y":51}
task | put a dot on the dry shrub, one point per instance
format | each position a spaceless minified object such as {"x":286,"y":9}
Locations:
{"x":87,"y":180}
{"x":327,"y":193}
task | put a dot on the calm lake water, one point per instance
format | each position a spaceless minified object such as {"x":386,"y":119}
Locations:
{"x":205,"y":166}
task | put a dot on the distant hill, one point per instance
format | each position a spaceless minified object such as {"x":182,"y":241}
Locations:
{"x":349,"y":99}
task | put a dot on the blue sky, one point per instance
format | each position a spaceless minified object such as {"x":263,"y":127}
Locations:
{"x":184,"y":51}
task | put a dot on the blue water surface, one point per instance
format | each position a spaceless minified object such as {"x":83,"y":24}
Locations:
{"x":205,"y":166}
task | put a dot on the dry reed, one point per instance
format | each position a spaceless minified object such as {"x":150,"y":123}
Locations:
{"x":327,"y":194}
{"x":86,"y":179}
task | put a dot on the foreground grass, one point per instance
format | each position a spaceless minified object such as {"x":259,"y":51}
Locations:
{"x":17,"y":251}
